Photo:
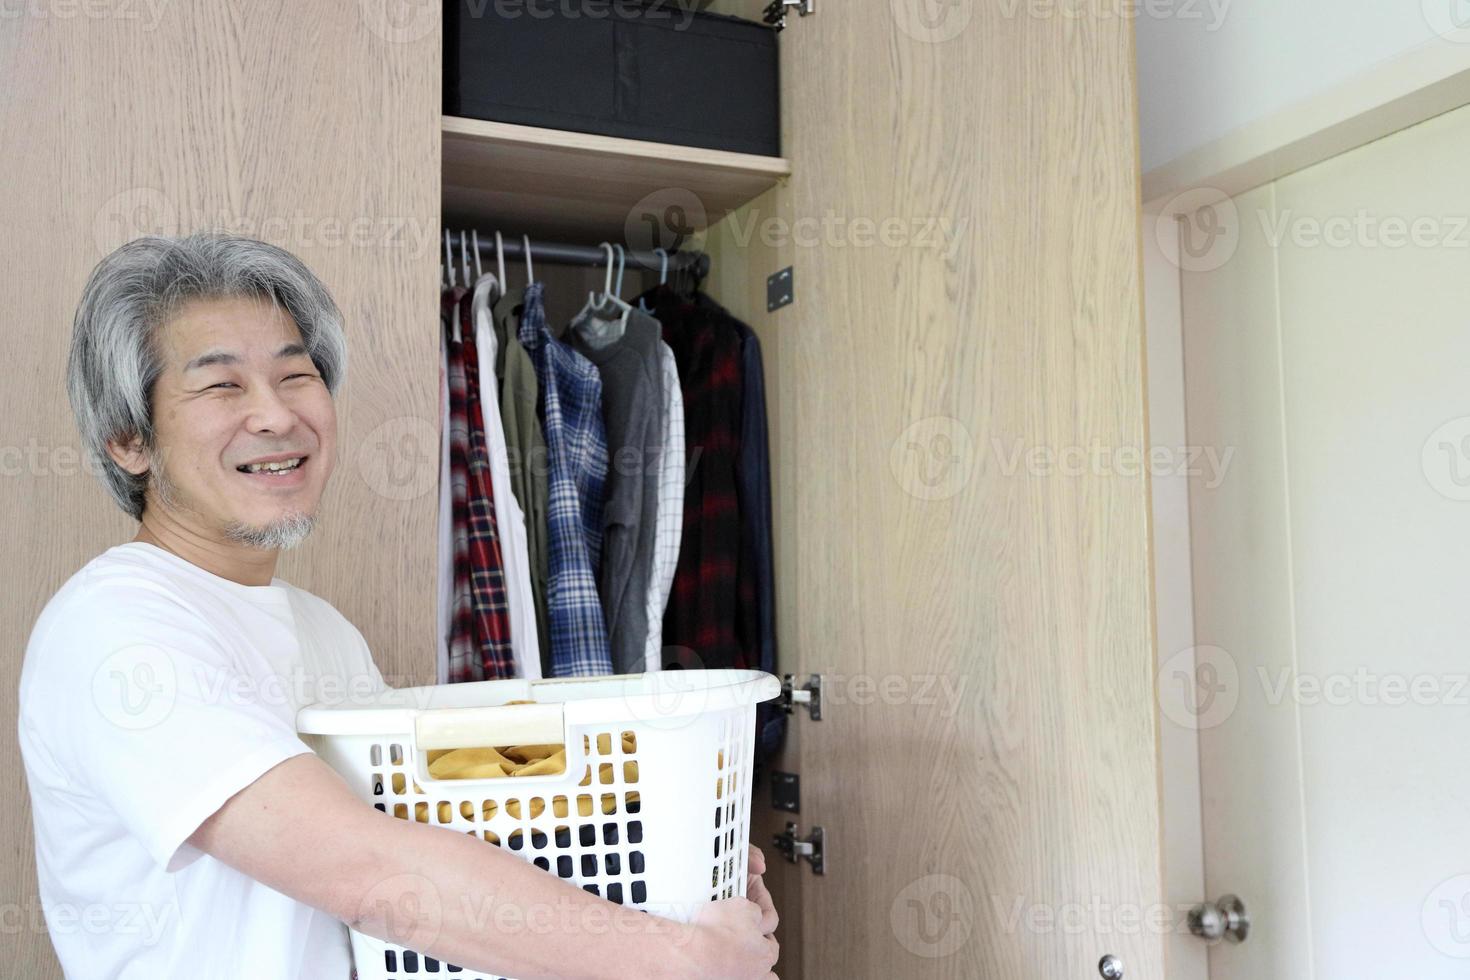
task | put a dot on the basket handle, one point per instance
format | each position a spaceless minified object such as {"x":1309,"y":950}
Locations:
{"x":497,"y":725}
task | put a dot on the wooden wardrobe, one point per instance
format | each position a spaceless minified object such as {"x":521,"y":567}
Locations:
{"x":958,"y":200}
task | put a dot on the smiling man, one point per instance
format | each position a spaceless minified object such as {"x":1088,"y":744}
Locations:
{"x":182,"y":827}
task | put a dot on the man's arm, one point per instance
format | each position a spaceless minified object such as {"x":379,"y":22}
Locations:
{"x":300,"y":830}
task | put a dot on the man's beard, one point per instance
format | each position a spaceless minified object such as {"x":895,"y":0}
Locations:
{"x":282,"y":534}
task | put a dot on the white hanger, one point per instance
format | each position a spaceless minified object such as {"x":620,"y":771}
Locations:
{"x":449,"y":267}
{"x":592,"y":300}
{"x":500,"y":261}
{"x":497,"y":282}
{"x":464,"y":258}
{"x":493,"y":287}
{"x":526,"y":251}
{"x":604,"y":317}
{"x":663,"y":276}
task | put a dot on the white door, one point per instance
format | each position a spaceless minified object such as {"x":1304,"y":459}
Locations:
{"x":1326,"y":357}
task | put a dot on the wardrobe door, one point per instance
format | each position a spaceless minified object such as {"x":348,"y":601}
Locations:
{"x":962,"y":507}
{"x":313,"y":126}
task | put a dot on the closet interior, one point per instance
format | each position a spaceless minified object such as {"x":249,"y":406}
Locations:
{"x":607,"y":228}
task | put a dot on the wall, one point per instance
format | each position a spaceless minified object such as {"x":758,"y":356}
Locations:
{"x":1206,"y":67}
{"x":1327,"y":347}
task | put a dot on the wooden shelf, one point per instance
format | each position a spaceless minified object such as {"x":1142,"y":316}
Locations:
{"x":577,"y":187}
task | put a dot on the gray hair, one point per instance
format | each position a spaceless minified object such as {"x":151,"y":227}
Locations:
{"x":115,"y":361}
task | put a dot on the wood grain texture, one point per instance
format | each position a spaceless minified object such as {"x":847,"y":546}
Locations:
{"x":1015,"y":832}
{"x":738,"y":280}
{"x":312,"y":126}
{"x":583,"y":187}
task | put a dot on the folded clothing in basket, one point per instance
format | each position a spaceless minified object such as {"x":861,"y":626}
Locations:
{"x":488,"y":763}
{"x":485,"y":762}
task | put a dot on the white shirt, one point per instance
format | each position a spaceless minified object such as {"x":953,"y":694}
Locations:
{"x":152,"y":691}
{"x":510,"y":521}
{"x":669,"y":519}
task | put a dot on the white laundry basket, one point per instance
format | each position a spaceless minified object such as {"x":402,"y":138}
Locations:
{"x":665,"y":835}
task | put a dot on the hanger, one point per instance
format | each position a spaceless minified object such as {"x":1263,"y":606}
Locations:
{"x":608,"y":290}
{"x":483,"y":280}
{"x":681,"y":279}
{"x":693,"y":279}
{"x":663,"y":276}
{"x":500,"y":261}
{"x":498,"y":284}
{"x":526,"y":251}
{"x":449,"y":269}
{"x":604,"y":317}
{"x":464,"y":258}
{"x":592,"y":294}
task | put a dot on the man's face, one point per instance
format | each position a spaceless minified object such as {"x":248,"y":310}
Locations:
{"x":237,"y":389}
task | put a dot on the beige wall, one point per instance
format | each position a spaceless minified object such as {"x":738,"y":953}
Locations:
{"x":138,"y":119}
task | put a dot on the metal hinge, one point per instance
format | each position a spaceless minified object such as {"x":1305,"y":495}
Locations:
{"x":808,"y":695}
{"x":776,"y":10}
{"x":794,"y":848}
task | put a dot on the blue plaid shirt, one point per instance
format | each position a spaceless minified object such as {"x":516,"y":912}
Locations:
{"x":576,"y":451}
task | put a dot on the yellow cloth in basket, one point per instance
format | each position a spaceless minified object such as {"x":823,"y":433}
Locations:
{"x":484,"y":762}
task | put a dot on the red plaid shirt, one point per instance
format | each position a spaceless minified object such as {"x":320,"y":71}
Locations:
{"x":699,"y":622}
{"x":487,"y":565}
{"x":464,"y":660}
{"x":479,"y":640}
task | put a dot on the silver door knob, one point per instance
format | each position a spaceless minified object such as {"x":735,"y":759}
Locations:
{"x":1110,"y":967}
{"x":1226,"y":919}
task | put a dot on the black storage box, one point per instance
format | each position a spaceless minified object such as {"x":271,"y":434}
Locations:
{"x":639,"y":69}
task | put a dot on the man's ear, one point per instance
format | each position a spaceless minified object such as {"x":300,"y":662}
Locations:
{"x":130,"y":455}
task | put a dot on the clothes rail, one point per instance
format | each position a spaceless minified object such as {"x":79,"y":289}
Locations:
{"x":559,"y":253}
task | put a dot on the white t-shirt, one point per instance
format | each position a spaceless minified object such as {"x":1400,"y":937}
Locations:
{"x":153,"y":691}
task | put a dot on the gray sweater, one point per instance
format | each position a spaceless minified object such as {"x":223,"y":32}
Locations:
{"x":632,"y":413}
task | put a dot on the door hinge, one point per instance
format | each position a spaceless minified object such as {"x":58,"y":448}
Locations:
{"x":808,"y":695}
{"x":794,"y":848}
{"x":776,"y":10}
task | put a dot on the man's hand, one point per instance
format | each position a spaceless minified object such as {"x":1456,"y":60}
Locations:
{"x":727,"y":944}
{"x":755,"y":890}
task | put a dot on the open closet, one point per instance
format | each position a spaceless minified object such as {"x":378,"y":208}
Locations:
{"x":942,"y":269}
